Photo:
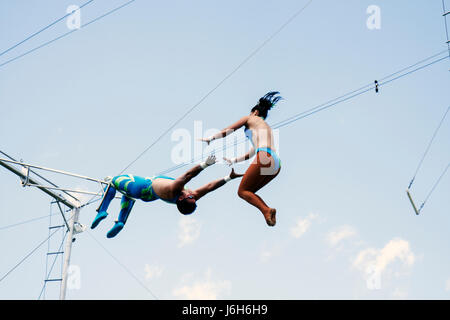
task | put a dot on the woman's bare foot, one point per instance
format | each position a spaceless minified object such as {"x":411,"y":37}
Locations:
{"x":270,"y":216}
{"x":273,"y":213}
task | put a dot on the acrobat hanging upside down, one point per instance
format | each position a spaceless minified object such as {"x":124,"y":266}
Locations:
{"x":148,"y":189}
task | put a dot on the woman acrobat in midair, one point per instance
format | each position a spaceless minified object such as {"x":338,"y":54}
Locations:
{"x":267,"y":164}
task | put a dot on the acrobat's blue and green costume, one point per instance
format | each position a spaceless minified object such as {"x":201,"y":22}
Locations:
{"x":132,"y":188}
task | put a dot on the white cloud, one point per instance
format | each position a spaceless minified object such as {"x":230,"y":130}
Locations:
{"x":302,"y":225}
{"x":376,"y":261}
{"x":153,"y":271}
{"x":205,"y":289}
{"x":334,"y":237}
{"x":447,"y":285}
{"x":188,"y":231}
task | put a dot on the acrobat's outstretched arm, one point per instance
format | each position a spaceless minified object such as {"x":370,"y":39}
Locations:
{"x":228,"y":130}
{"x":213,"y":185}
{"x":246,"y":156}
{"x":182,"y":180}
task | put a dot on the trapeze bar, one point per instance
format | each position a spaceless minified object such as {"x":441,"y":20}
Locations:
{"x":412,"y":202}
{"x":56,"y":227}
{"x":54,"y":170}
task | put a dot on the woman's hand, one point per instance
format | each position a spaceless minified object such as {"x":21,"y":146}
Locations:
{"x":229,"y":161}
{"x":234,"y":175}
{"x":207,"y":140}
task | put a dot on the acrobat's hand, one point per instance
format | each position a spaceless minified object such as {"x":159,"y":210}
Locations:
{"x":211,"y":160}
{"x":230,"y":161}
{"x":234,"y":175}
{"x":208,"y":162}
{"x":207,"y":140}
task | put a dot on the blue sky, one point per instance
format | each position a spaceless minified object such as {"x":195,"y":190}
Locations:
{"x":91,"y":102}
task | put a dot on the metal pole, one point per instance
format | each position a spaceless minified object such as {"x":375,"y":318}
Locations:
{"x":54,"y":170}
{"x":67,"y":252}
{"x":38,"y":175}
{"x":59,"y":198}
{"x":54,"y":195}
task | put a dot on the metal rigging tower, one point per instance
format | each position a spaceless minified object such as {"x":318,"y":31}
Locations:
{"x":70,"y":226}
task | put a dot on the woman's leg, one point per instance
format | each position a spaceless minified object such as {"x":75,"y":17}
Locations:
{"x":248,"y":186}
{"x":256,"y":177}
{"x":266,"y":180}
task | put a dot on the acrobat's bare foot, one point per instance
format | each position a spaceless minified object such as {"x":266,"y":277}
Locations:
{"x":270,"y":216}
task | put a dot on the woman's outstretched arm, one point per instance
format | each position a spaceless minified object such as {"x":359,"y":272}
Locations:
{"x":244,"y":157}
{"x":228,"y":130}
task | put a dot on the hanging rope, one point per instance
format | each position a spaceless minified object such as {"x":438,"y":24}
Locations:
{"x":27,"y":256}
{"x":123,"y":266}
{"x":45,"y":28}
{"x":66,"y":34}
{"x":333,"y":102}
{"x":428,"y":148}
{"x":446,"y":26}
{"x":434,"y":187}
{"x":23,"y":222}
{"x":239,"y":66}
{"x":33,"y":251}
{"x":418,"y":210}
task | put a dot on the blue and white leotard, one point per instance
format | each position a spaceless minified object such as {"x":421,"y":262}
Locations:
{"x":133,"y":188}
{"x":137,"y":187}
